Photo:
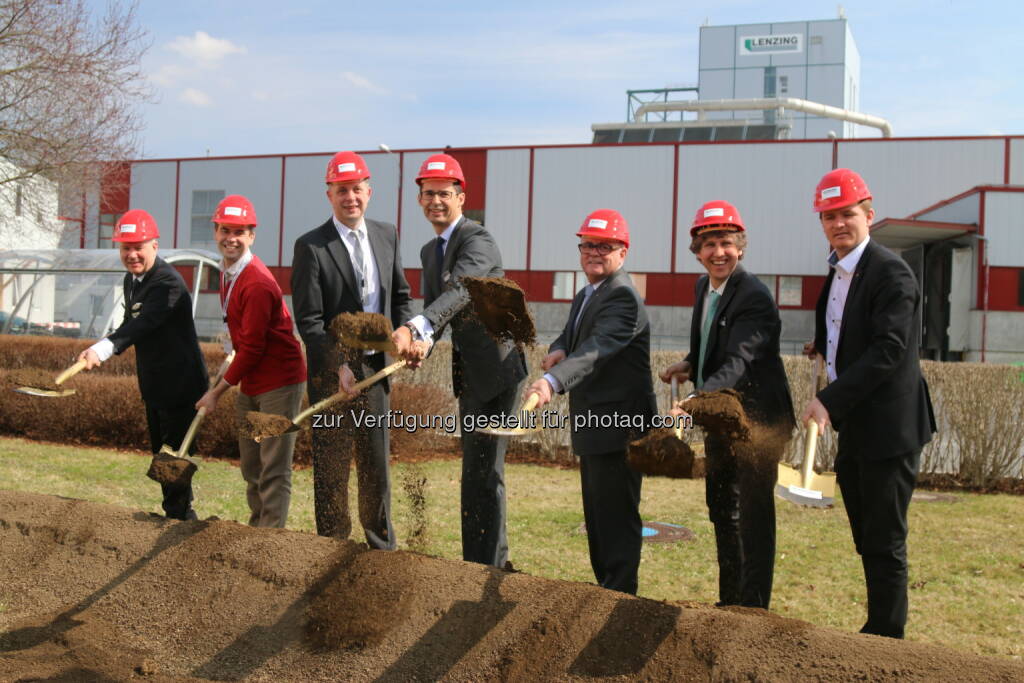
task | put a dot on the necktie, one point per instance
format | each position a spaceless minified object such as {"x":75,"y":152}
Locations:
{"x":588,"y":291}
{"x":439,"y":259}
{"x":705,"y":332}
{"x":357,"y":265}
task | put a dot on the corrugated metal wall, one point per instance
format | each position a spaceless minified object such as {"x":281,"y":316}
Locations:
{"x":508,"y":201}
{"x":1004,"y":228}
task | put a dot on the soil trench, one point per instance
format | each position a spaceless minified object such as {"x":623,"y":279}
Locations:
{"x":101,"y":593}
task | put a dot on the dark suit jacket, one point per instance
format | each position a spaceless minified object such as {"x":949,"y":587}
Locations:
{"x":481,"y":367}
{"x":158,"y":323}
{"x":743,"y":347}
{"x":607,"y":368}
{"x":324,"y":285}
{"x":879,"y":402}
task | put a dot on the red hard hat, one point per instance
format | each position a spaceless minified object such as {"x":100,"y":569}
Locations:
{"x":607,"y":224}
{"x":135,"y":226}
{"x":715,"y":214}
{"x":345,"y":167}
{"x":839,"y":188}
{"x":441,"y":167}
{"x":235,"y":210}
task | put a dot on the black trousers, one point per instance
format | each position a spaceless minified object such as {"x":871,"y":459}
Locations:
{"x":876,"y":494}
{"x":168,"y":426}
{"x":611,"y":510}
{"x":336,"y":443}
{"x":740,"y":494}
{"x":484,"y":514}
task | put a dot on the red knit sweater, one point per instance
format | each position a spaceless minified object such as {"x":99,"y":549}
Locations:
{"x":267,"y":354}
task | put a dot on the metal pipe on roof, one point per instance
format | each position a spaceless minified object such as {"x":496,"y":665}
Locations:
{"x":765,"y":103}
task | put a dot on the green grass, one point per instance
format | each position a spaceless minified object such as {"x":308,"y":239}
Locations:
{"x":967,"y":556}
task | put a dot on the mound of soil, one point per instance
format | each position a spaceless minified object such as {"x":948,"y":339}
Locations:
{"x":96,"y":592}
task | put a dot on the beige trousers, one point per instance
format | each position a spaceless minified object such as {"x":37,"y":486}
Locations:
{"x":267,"y":466}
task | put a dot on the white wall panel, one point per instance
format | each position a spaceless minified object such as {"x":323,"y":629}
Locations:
{"x":1017,"y":161}
{"x":259,"y":179}
{"x":153,"y":190}
{"x":506,"y":209}
{"x":1004,"y":228}
{"x":569,"y":183}
{"x":964,"y":210}
{"x":416,"y":231}
{"x":909,"y":175}
{"x":772,"y":186}
{"x":305,"y":200}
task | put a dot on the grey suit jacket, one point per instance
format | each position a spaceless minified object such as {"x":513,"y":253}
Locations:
{"x":324,"y":285}
{"x":607,"y":369}
{"x":481,"y":367}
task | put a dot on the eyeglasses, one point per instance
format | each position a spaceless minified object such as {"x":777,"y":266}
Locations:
{"x":602,"y":248}
{"x":443,"y":195}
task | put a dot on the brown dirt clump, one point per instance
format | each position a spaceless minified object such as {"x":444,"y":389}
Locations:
{"x":500,"y":304}
{"x":100,"y":593}
{"x":33,"y":377}
{"x":170,"y":469}
{"x":721,"y":413}
{"x":259,"y":426}
{"x":362,"y":331}
{"x":661,"y":454}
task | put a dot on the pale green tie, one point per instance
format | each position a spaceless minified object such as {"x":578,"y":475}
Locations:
{"x":705,"y":332}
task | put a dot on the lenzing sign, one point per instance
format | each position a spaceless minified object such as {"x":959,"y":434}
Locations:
{"x":769,"y":45}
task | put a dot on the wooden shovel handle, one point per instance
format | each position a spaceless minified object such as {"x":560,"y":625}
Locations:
{"x":70,"y":372}
{"x":810,"y":446}
{"x":190,"y":435}
{"x":339,"y":396}
{"x":530,"y":403}
{"x":673,"y":399}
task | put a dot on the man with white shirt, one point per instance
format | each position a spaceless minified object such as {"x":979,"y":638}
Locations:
{"x":347,"y":265}
{"x":867,"y":329}
{"x":485,"y":373}
{"x":268,"y":367}
{"x":158,"y":323}
{"x":734,"y":344}
{"x":603,"y":359}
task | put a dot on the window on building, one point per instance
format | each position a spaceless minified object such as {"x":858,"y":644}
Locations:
{"x":1020,"y":287}
{"x":667,"y":134}
{"x":104,"y":239}
{"x":791,"y":290}
{"x":769,"y":282}
{"x":605,"y":137}
{"x":564,"y":288}
{"x":636,"y":135}
{"x":204,"y":203}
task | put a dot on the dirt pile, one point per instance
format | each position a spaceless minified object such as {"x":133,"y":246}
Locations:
{"x":95,"y":592}
{"x":500,"y":305}
{"x":660,"y":453}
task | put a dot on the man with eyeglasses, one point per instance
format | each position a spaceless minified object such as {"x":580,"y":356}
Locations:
{"x":603,"y":359}
{"x":734,"y":344}
{"x":486,"y":374}
{"x":349,"y":264}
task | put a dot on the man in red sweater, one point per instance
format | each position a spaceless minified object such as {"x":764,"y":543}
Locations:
{"x":268,"y":366}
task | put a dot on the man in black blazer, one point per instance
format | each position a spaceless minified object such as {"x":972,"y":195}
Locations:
{"x":158,"y":323}
{"x":347,"y":265}
{"x":485,"y":374}
{"x":867,"y":330}
{"x":734,"y":344}
{"x":603,"y":359}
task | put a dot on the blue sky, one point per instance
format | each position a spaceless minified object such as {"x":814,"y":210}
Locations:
{"x":262,"y":77}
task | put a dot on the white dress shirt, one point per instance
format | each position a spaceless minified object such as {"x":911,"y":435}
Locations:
{"x":837,"y":293}
{"x":368,"y":262}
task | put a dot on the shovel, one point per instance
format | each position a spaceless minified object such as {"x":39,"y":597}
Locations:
{"x":56,"y":390}
{"x":804,"y":486}
{"x":265,"y":425}
{"x":180,"y":466}
{"x":663,"y":452}
{"x":528,"y":407}
{"x":500,"y":306}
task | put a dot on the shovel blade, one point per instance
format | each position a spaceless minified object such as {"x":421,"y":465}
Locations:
{"x":801,"y":496}
{"x":49,"y":393}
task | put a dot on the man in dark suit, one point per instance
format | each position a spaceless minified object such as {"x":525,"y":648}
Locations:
{"x":485,"y":374}
{"x":349,"y":264}
{"x":734,"y":344}
{"x":867,"y":330}
{"x":603,"y":359}
{"x":158,"y":323}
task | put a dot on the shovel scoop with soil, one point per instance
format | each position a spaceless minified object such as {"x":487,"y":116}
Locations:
{"x":720,"y":413}
{"x":662,"y":452}
{"x":500,"y":306}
